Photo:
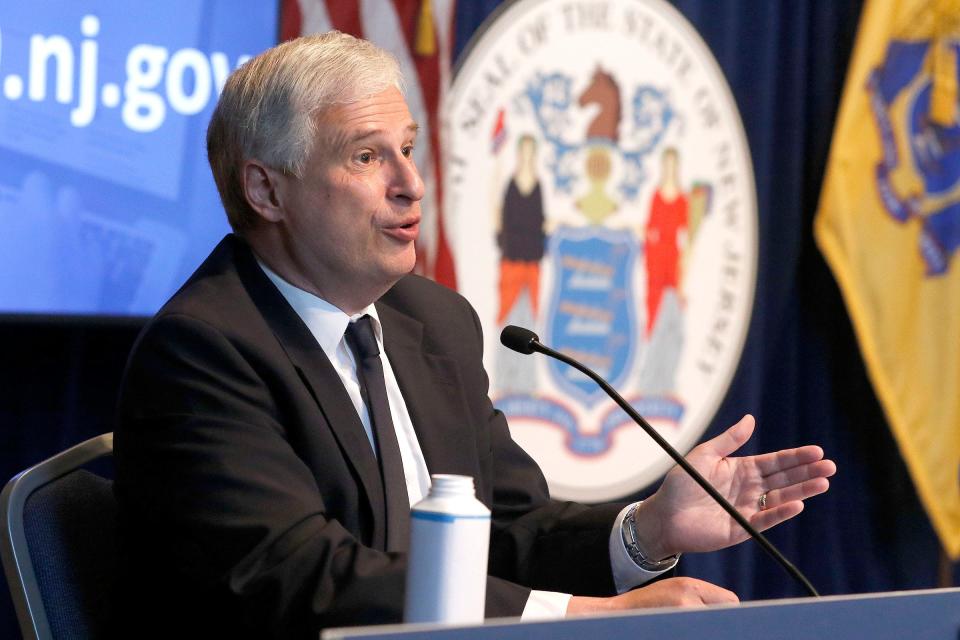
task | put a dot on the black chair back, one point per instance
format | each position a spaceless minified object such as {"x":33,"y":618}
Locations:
{"x":58,"y":544}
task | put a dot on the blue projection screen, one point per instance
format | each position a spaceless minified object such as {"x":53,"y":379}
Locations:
{"x":106,"y":199}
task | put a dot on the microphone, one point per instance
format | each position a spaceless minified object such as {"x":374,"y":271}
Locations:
{"x":519,"y":339}
{"x":526,"y":342}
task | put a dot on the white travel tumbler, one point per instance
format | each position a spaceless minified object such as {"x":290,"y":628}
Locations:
{"x":449,"y":543}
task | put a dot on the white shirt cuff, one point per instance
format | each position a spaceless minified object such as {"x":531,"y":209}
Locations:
{"x":626,"y":574}
{"x":545,"y":605}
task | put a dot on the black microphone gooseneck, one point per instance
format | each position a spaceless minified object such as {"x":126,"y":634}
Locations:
{"x":526,"y":342}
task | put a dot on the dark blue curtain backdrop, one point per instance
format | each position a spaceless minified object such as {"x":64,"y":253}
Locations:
{"x":801,"y":374}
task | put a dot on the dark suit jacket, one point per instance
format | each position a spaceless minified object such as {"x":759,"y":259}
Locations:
{"x":250,"y":501}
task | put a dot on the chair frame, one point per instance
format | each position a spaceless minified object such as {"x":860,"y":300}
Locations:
{"x":14,"y":550}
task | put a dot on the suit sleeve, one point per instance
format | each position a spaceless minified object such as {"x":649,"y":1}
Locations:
{"x":211,"y":490}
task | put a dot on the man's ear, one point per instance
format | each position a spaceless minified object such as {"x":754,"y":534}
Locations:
{"x":263,"y":187}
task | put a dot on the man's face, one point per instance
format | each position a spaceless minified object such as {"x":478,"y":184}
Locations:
{"x":354,"y":215}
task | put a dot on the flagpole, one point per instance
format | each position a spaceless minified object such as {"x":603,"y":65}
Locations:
{"x":944,"y":570}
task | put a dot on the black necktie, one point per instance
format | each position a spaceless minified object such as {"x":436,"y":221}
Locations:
{"x":373,"y":389}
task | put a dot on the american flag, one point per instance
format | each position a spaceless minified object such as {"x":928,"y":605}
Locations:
{"x":419,"y":33}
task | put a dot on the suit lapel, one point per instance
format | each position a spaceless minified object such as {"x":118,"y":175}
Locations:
{"x":431,"y":389}
{"x":319,"y":377}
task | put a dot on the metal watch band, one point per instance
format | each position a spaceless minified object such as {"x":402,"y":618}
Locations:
{"x":628,"y":531}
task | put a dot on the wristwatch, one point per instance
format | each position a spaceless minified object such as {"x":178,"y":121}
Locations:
{"x":628,"y":530}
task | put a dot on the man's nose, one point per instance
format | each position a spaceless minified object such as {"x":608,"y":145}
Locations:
{"x":406,"y":183}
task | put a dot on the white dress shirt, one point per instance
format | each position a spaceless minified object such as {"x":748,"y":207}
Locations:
{"x":327,"y":323}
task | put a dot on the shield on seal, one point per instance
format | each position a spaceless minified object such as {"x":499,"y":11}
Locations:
{"x":592,"y":313}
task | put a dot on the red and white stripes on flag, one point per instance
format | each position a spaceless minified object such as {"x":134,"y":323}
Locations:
{"x":419,"y":33}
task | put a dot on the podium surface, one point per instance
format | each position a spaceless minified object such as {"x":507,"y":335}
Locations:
{"x":932,"y":614}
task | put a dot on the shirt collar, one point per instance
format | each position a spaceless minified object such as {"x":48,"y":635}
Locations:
{"x":326,"y":322}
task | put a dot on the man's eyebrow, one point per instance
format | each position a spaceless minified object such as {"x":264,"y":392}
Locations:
{"x":413,"y":128}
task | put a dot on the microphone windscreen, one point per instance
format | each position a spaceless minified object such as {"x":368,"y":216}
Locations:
{"x":518,"y":339}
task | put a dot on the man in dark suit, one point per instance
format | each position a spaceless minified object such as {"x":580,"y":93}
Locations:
{"x":266,"y":458}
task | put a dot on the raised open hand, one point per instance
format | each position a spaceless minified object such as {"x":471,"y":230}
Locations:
{"x":681,"y":517}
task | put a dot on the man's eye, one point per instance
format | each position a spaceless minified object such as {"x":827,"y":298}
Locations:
{"x":365,"y":157}
{"x":407,"y":151}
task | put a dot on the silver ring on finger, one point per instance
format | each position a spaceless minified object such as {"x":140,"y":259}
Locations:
{"x":762,"y":502}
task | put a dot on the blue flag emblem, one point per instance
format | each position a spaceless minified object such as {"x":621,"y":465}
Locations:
{"x":918,"y":176}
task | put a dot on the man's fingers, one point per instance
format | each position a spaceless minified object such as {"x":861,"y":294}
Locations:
{"x":772,"y":516}
{"x":799,"y":491}
{"x":712,"y":594}
{"x":819,"y":469}
{"x":783,"y":504}
{"x":770,"y":463}
{"x":733,"y":438}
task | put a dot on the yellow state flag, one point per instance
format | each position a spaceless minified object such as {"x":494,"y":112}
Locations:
{"x":889,"y":226}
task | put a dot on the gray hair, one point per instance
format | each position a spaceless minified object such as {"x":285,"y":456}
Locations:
{"x":269,"y":108}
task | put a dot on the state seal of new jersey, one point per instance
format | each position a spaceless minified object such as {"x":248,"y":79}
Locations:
{"x":599,"y":191}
